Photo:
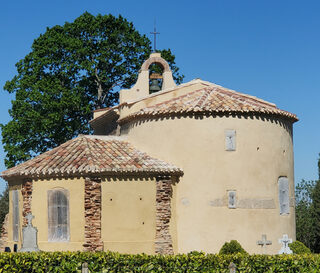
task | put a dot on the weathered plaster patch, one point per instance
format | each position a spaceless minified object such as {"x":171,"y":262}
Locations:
{"x":185,"y":201}
{"x":219,"y":202}
{"x":256,"y":204}
{"x":245,"y":203}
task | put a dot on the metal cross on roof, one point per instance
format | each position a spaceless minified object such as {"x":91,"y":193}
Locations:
{"x":155,"y":38}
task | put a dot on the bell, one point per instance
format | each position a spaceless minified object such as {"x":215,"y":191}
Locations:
{"x":154,"y":87}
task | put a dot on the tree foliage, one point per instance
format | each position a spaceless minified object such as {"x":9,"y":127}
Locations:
{"x":308,"y":213}
{"x":70,"y":70}
{"x":4,"y":205}
{"x":304,"y":215}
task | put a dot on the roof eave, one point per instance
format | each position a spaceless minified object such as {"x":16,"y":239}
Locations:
{"x":116,"y":174}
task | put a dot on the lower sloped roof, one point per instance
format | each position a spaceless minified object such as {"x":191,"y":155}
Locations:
{"x":91,"y":155}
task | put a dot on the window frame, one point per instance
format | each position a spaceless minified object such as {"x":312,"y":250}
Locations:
{"x":54,"y":210}
{"x":15,"y":215}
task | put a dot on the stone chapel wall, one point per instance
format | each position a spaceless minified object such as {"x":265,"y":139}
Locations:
{"x":263,"y":153}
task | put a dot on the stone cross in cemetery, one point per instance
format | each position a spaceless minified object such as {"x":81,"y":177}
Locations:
{"x":285,"y":241}
{"x":264,"y":243}
{"x":29,"y":239}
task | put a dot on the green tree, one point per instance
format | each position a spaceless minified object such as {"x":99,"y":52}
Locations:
{"x":316,"y":215}
{"x":304,"y":213}
{"x":307,"y":195}
{"x":71,"y":70}
{"x":4,"y":205}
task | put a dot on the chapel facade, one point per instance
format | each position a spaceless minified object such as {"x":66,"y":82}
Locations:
{"x":186,"y":168}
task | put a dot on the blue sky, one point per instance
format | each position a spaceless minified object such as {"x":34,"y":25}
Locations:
{"x":269,"y":49}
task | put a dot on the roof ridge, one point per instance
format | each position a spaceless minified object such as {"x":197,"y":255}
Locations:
{"x":106,"y":137}
{"x":175,"y":99}
{"x":164,"y":91}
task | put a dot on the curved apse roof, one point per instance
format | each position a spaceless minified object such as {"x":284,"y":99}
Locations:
{"x":212,"y":99}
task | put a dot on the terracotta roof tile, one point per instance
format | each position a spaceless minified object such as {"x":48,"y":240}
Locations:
{"x":91,"y":155}
{"x":214,"y":99}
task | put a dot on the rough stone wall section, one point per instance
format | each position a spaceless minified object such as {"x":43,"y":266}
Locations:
{"x":92,"y":214}
{"x":4,"y":233}
{"x":26,"y":192}
{"x":163,"y":242}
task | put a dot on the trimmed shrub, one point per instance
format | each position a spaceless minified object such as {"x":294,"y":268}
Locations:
{"x":231,"y":248}
{"x":102,"y":262}
{"x":299,"y":248}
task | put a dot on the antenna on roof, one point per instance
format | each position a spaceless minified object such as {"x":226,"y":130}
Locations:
{"x":155,"y":36}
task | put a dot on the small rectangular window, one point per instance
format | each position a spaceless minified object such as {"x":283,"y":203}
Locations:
{"x":15,"y":215}
{"x":230,"y":140}
{"x":284,"y":195}
{"x":232,"y":199}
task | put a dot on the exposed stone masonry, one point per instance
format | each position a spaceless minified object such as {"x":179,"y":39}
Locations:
{"x":92,"y":214}
{"x":4,"y":233}
{"x":26,"y":192}
{"x":163,"y":242}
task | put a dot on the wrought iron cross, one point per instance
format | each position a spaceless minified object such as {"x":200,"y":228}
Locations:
{"x":155,"y":38}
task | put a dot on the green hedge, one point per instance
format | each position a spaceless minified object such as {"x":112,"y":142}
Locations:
{"x":193,"y":262}
{"x":299,"y":248}
{"x":232,"y":247}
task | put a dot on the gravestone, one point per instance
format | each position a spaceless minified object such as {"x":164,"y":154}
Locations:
{"x":264,"y":243}
{"x":285,"y":241}
{"x":29,"y":236}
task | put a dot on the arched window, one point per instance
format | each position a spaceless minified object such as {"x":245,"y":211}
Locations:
{"x":58,"y":215}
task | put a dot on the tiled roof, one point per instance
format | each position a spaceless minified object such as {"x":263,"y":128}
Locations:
{"x":91,"y":155}
{"x":211,"y":99}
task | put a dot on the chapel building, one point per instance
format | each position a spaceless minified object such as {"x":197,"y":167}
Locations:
{"x":171,"y":169}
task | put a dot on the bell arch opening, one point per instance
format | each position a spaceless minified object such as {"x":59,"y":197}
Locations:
{"x":156,"y":70}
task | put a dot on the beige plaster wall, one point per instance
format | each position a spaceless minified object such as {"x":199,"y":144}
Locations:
{"x":39,"y":207}
{"x":128,"y":215}
{"x":263,"y":153}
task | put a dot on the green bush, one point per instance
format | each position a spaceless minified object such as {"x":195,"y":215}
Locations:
{"x":102,"y":262}
{"x":299,"y":248}
{"x":231,"y":248}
